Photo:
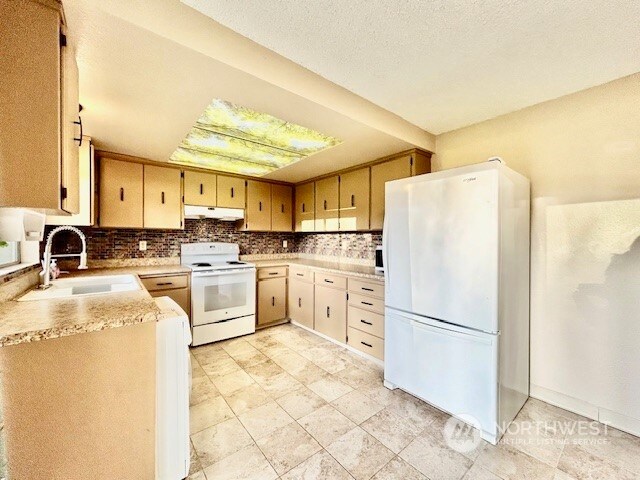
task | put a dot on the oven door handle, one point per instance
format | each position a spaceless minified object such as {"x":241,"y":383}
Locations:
{"x":224,"y":272}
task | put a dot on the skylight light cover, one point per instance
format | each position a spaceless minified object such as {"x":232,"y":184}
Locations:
{"x":237,"y":139}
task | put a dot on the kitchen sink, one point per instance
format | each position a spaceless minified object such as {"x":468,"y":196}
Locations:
{"x":84,"y":286}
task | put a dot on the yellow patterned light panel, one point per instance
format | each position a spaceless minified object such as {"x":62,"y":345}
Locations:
{"x":236,"y":139}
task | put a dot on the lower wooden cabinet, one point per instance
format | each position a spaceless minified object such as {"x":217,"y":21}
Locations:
{"x":331,"y":312}
{"x":301,"y":302}
{"x":272,"y":300}
{"x":176,"y":287}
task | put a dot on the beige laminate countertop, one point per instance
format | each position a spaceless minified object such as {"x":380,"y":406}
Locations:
{"x":350,"y":269}
{"x":22,"y":322}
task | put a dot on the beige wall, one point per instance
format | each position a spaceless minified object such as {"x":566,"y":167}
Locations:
{"x":582,"y":154}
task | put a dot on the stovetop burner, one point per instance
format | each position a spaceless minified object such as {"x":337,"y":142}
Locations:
{"x":235,"y":262}
{"x":201,"y":264}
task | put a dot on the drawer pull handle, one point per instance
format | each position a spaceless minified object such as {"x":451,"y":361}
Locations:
{"x":260,"y":206}
{"x":366,"y":323}
{"x":325,"y":204}
{"x":367,"y":303}
{"x":328,"y":281}
{"x":303,"y":210}
{"x":201,"y":189}
{"x":367,"y":289}
{"x":164,"y":284}
{"x":328,"y":312}
{"x":162,"y":197}
{"x":299,"y":303}
{"x":273,"y":301}
{"x":121,"y":194}
{"x":282,"y":209}
{"x":353,"y":200}
{"x":273,"y":273}
{"x":367,"y":344}
{"x":232,"y":192}
{"x":300,"y":274}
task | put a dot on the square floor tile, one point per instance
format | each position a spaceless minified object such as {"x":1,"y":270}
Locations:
{"x":433,"y":458}
{"x":287,"y":447}
{"x":219,"y":441}
{"x":398,"y":469}
{"x":263,"y":420}
{"x":512,"y":464}
{"x":359,"y":453}
{"x":326,"y":424}
{"x":208,"y":413}
{"x":246,"y":464}
{"x":246,"y":398}
{"x":227,"y":384}
{"x":330,"y":388}
{"x":202,"y":388}
{"x":320,"y":466}
{"x":392,"y":431}
{"x":300,"y":402}
{"x":356,"y":406}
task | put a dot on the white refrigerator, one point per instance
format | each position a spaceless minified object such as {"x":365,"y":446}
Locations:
{"x":456,"y":259}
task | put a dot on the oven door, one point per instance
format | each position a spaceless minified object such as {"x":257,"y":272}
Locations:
{"x":217,"y":296}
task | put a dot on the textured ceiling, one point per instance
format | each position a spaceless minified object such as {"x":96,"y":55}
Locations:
{"x":444,"y":64}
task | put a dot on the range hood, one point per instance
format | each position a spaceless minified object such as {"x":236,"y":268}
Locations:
{"x":226,"y":214}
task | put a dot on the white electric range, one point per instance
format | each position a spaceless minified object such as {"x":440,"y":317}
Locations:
{"x":223,"y":291}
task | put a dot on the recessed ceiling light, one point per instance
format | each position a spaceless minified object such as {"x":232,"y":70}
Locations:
{"x":236,"y":139}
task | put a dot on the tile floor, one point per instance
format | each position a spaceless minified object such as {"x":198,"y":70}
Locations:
{"x":284,"y":403}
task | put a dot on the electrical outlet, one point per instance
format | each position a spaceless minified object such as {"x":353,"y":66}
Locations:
{"x":284,"y":243}
{"x":142,"y":245}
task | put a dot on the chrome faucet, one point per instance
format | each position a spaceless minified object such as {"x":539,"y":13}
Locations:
{"x":46,"y":260}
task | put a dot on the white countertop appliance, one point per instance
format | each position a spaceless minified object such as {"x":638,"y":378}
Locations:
{"x":456,"y":259}
{"x":223,"y":291}
{"x":173,"y":384}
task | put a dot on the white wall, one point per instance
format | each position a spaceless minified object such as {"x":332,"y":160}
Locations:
{"x":582,"y":154}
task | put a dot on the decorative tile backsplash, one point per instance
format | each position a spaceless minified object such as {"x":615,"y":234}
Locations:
{"x":103,"y":244}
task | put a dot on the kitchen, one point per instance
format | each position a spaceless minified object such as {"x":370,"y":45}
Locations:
{"x":228,"y":198}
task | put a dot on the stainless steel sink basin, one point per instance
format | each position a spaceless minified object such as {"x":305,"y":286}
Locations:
{"x":84,"y":286}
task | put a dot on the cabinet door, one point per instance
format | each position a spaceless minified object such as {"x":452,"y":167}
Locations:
{"x":281,"y":206}
{"x":258,"y":214}
{"x":120,"y":194}
{"x":331,"y":312}
{"x":162,"y":198}
{"x":230,"y":192}
{"x":305,"y":207}
{"x":327,"y":203}
{"x":272,"y":298}
{"x":354,"y":200}
{"x":199,"y":188}
{"x":301,"y":302}
{"x":70,"y":132}
{"x":380,"y":174}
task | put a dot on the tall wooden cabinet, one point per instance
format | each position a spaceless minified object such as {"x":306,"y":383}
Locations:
{"x":200,"y":188}
{"x":327,"y":204}
{"x":354,"y":200}
{"x":121,"y":194}
{"x":230,"y":192}
{"x":258,"y":212}
{"x":162,"y":199}
{"x":415,"y":163}
{"x":39,"y":109}
{"x":281,"y":208}
{"x":305,"y":207}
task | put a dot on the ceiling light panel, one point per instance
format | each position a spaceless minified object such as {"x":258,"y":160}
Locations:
{"x":236,"y":139}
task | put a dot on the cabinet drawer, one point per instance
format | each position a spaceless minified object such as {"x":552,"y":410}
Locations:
{"x":375,"y":289}
{"x":330,"y":280}
{"x":299,"y":273}
{"x":153,"y":284}
{"x":271,"y":272}
{"x":369,"y":322}
{"x":367,"y":303}
{"x":366,"y":343}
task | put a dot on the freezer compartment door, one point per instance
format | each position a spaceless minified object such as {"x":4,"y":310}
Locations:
{"x":441,"y":247}
{"x":454,"y":370}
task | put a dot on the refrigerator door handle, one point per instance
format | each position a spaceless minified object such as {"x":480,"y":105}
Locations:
{"x":385,"y":253}
{"x":451,"y":333}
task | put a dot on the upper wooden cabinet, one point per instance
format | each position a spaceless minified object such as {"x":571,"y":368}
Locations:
{"x":327,"y":204}
{"x":121,"y":194}
{"x":162,"y":197}
{"x":200,"y":188}
{"x":258,"y":212}
{"x":354,"y":200}
{"x":39,"y":105}
{"x":230,"y":192}
{"x":305,"y":207}
{"x":281,"y":208}
{"x":405,"y":166}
